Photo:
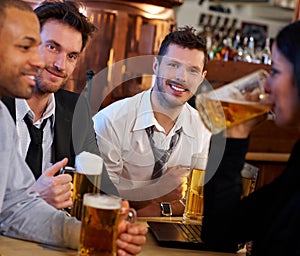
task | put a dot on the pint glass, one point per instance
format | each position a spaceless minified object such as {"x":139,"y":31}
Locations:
{"x":99,"y":228}
{"x":194,"y":206}
{"x":234,"y":103}
{"x":249,"y":175}
{"x":86,"y":179}
{"x":88,"y":182}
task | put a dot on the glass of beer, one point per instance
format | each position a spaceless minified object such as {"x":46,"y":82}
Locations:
{"x":87,"y":182}
{"x":194,"y":205}
{"x":99,"y":228}
{"x":234,"y":103}
{"x":249,"y":175}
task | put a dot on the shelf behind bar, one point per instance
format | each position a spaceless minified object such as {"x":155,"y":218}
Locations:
{"x":267,"y":157}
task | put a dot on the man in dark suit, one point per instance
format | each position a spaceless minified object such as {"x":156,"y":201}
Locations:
{"x":73,"y":131}
{"x":68,"y":128}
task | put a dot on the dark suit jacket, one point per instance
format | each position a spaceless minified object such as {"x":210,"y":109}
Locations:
{"x":73,"y":131}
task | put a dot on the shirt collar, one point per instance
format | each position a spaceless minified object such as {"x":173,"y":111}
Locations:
{"x":145,"y":117}
{"x":186,"y":120}
{"x":22,"y":108}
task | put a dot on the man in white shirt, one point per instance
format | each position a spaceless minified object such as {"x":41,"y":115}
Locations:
{"x":122,"y":128}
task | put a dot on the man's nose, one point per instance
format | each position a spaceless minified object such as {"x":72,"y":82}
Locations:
{"x":181,"y":74}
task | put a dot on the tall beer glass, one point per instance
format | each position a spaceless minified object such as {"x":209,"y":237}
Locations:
{"x":86,"y":179}
{"x":249,"y":175}
{"x":87,"y":182}
{"x":234,"y":103}
{"x":194,"y":206}
{"x":99,"y":229}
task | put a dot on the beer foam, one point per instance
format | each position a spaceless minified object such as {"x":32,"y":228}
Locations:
{"x":102,"y":201}
{"x":88,"y":163}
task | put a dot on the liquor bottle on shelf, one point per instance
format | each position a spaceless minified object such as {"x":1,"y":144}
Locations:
{"x":207,"y":26}
{"x":223,"y":30}
{"x":202,"y":19}
{"x":206,"y":31}
{"x":231,"y":29}
{"x":209,"y":47}
{"x":266,"y":53}
{"x":217,"y":23}
{"x":237,"y":47}
{"x":227,"y":49}
{"x":216,"y":28}
{"x":249,"y":55}
{"x":225,"y":23}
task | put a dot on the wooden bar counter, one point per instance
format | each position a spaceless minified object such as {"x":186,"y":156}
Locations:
{"x":15,"y":247}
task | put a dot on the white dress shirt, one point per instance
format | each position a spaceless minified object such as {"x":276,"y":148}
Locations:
{"x":124,"y":144}
{"x":22,"y":109}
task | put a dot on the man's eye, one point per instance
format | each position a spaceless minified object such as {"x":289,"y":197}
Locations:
{"x":51,"y":47}
{"x":73,"y":56}
{"x":25,"y":47}
{"x":194,"y":71}
{"x":173,"y":65}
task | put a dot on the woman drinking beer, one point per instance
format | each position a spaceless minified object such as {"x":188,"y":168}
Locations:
{"x":271,"y":215}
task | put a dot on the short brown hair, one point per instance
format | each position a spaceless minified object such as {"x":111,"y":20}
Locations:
{"x":185,"y":37}
{"x":66,"y":12}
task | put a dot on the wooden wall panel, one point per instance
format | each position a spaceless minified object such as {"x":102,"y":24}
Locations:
{"x":297,"y":10}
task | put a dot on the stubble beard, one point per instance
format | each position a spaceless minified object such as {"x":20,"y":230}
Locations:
{"x":166,"y":99}
{"x":43,"y":87}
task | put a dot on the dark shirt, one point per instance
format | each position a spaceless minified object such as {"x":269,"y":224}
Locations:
{"x":270,"y":216}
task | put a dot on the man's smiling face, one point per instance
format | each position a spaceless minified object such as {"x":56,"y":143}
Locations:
{"x":179,"y":74}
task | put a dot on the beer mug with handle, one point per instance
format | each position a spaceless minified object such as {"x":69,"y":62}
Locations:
{"x":234,"y":103}
{"x":86,"y":179}
{"x":99,"y":228}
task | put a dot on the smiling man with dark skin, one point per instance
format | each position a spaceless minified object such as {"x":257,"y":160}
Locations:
{"x":68,"y":129}
{"x":20,"y":63}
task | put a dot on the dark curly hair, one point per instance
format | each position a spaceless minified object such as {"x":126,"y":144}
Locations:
{"x":66,"y":12}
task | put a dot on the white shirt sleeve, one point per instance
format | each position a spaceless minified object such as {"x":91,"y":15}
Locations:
{"x":109,"y":146}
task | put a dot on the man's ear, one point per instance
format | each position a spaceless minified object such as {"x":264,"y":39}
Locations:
{"x":155,"y":66}
{"x":204,"y":73}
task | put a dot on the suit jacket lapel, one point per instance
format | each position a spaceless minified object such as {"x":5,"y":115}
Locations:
{"x":62,"y":134}
{"x":11,"y":105}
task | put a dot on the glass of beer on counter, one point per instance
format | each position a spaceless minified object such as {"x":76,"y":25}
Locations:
{"x":194,"y":205}
{"x":249,"y":175}
{"x":86,"y":179}
{"x":234,"y":103}
{"x":99,"y":228}
{"x":87,"y":182}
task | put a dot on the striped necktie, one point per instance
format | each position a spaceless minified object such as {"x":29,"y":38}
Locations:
{"x":161,"y":156}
